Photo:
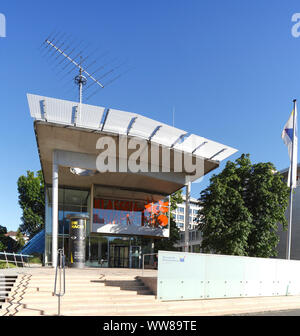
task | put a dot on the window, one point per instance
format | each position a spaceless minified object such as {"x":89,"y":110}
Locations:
{"x":180,"y":209}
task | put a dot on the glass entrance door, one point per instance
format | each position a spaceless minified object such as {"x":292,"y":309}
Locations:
{"x":118,"y":256}
{"x":135,"y":257}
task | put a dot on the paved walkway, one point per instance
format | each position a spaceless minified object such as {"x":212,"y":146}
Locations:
{"x":110,"y":272}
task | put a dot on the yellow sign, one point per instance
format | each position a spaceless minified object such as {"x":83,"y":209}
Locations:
{"x":75,"y":225}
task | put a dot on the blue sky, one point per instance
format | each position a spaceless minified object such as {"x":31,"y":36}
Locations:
{"x":229,"y":68}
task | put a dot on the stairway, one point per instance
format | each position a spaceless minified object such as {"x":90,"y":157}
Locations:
{"x":86,"y":294}
{"x":114,"y":293}
{"x":6,"y":286}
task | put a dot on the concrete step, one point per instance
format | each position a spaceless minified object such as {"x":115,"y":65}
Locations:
{"x":99,"y":298}
{"x":132,"y":306}
{"x":106,"y":284}
{"x":122,"y":282}
{"x":88,"y":291}
{"x":48,"y":281}
{"x":97,"y":310}
{"x":26,"y":313}
{"x":8,"y":278}
{"x":86,"y":296}
{"x":22,"y":312}
{"x":127,"y":286}
{"x":150,"y":311}
{"x":72,"y":303}
{"x":6,"y":284}
{"x":69,"y":285}
{"x":52,"y":277}
{"x":73,"y":299}
{"x":78,"y":283}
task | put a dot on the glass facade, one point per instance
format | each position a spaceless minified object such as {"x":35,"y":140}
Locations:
{"x":102,"y":250}
{"x":132,"y":217}
{"x":70,"y":201}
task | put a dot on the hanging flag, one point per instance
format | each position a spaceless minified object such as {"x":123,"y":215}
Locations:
{"x":290,"y":138}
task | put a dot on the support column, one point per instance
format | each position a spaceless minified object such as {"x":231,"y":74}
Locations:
{"x":54,"y":208}
{"x":187,"y":217}
{"x":130,"y":255}
{"x":151,"y":259}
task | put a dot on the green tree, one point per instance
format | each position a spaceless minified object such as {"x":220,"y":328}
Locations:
{"x":7,"y":244}
{"x":20,"y":238}
{"x":3,"y":231}
{"x":167,"y":244}
{"x":241,"y":209}
{"x":32,"y":202}
{"x":2,"y":247}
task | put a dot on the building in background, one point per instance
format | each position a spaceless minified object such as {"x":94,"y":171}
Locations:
{"x":179,"y":214}
{"x":13,"y":235}
{"x":194,"y":235}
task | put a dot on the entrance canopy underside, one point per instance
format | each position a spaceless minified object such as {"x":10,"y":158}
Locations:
{"x":62,"y":127}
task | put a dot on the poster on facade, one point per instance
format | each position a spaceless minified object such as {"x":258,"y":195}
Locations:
{"x":131,"y":217}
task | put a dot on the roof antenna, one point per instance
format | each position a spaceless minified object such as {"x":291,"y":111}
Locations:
{"x":84,"y":74}
{"x":173,"y":116}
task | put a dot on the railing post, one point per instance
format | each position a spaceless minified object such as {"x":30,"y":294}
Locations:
{"x":6,"y":260}
{"x":60,"y":270}
{"x":147,"y":254}
{"x":15,"y":259}
{"x":22,"y":260}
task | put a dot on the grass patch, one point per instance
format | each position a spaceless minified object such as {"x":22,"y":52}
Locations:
{"x":4,"y":265}
{"x":35,"y":260}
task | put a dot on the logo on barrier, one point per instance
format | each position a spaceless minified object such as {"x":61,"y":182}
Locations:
{"x":173,"y":258}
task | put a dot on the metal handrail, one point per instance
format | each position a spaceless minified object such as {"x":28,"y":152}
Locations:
{"x":147,"y":254}
{"x":60,"y":270}
{"x":15,"y":261}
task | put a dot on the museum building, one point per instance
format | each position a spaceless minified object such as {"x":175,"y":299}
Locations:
{"x":125,"y":209}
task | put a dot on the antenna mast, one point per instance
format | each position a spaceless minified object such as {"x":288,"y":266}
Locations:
{"x":64,"y":53}
{"x":80,"y":80}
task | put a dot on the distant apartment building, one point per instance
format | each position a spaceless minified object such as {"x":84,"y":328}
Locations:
{"x":194,"y":234}
{"x":13,"y":235}
{"x":179,"y":214}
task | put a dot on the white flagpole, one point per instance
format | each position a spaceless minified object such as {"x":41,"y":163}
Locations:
{"x":289,"y":233}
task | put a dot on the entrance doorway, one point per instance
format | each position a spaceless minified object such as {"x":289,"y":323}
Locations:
{"x":118,"y":256}
{"x":135,"y":257}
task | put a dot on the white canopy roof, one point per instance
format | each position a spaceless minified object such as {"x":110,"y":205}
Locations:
{"x":114,"y":121}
